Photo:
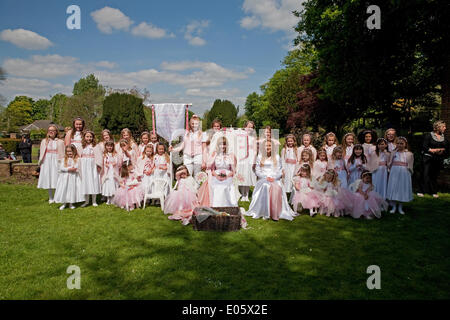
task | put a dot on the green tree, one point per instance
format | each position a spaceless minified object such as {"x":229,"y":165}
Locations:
{"x":367,"y":70}
{"x":123,"y":110}
{"x":223,"y":110}
{"x":87,"y":105}
{"x":57,"y":105}
{"x":88,"y":83}
{"x":41,"y":109}
{"x":19,"y":112}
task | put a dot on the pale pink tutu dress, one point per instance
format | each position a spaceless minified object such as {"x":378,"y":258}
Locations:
{"x":370,"y":207}
{"x":182,"y":201}
{"x":130,"y":192}
{"x":304,"y":195}
{"x":333,"y":201}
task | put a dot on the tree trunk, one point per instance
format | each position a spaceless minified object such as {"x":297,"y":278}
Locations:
{"x":445,"y":108}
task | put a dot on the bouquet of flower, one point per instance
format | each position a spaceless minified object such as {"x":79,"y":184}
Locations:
{"x":201,"y":177}
{"x":239,"y":178}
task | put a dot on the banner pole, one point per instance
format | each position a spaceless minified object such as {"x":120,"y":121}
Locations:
{"x":153,"y":118}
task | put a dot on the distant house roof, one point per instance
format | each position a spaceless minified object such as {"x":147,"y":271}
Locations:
{"x":40,"y":124}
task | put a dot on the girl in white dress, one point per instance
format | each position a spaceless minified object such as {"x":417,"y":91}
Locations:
{"x":204,"y":194}
{"x":347,"y":145}
{"x":399,"y":188}
{"x":356,"y":164}
{"x":153,"y":141}
{"x":163,"y":168}
{"x":75,"y":134}
{"x":245,"y":166}
{"x":68,"y":188}
{"x":99,"y":148}
{"x":368,"y":143}
{"x":110,"y":173}
{"x":289,"y":156}
{"x":145,"y":140}
{"x":307,"y":144}
{"x":391,"y":136}
{"x":126,"y":134}
{"x":320,"y":165}
{"x":146,"y":167}
{"x":269,"y":200}
{"x":222,"y":188}
{"x":192,"y":147}
{"x":52,"y":150}
{"x":329,"y":143}
{"x":90,"y":183}
{"x":127,"y":153}
{"x":378,"y":167}
{"x":337,"y":163}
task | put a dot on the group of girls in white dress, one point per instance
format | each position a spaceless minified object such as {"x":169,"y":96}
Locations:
{"x":338,"y":179}
{"x":359,"y":180}
{"x":77,"y":169}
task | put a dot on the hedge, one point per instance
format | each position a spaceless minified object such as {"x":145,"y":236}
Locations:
{"x":10,"y":145}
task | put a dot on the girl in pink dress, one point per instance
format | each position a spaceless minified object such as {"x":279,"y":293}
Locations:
{"x":367,"y":203}
{"x":303,"y":191}
{"x":110,"y":172}
{"x":321,"y":164}
{"x":130,"y":194}
{"x":332,"y":200}
{"x":183,"y":199}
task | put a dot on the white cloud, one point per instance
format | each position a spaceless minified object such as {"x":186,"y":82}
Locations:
{"x":193,"y":31}
{"x":106,"y":64}
{"x":273,"y":15}
{"x":25,"y":39}
{"x":150,"y":31}
{"x":108,"y":19}
{"x":48,"y":66}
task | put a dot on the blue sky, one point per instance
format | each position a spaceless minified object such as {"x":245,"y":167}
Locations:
{"x":180,"y":51}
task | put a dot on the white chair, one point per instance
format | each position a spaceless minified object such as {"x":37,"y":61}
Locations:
{"x":156,"y":190}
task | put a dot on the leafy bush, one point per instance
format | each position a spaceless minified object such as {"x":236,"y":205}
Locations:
{"x":38,"y":134}
{"x":10,"y":145}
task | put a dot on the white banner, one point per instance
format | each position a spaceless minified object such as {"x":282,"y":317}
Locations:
{"x":169,"y":118}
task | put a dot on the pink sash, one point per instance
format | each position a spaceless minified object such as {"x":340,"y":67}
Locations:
{"x":275,"y":200}
{"x":399,"y":163}
{"x":291,"y":161}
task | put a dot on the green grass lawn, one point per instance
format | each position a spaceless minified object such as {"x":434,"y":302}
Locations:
{"x":143,"y":255}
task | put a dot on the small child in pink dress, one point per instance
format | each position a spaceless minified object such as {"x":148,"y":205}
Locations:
{"x":332,"y":199}
{"x":130,"y":193}
{"x":183,"y":199}
{"x":303,"y":191}
{"x":367,"y":203}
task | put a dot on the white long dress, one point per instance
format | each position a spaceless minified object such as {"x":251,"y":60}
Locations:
{"x":260,"y":205}
{"x":159,"y":173}
{"x":68,"y":188}
{"x":48,"y":176}
{"x":245,"y":173}
{"x":329,"y":150}
{"x":288,"y":164}
{"x":110,"y":181}
{"x":90,"y":184}
{"x":76,"y":141}
{"x":223,"y":192}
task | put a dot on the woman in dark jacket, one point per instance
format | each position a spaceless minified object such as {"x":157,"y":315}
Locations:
{"x":25,"y":149}
{"x":435,"y":150}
